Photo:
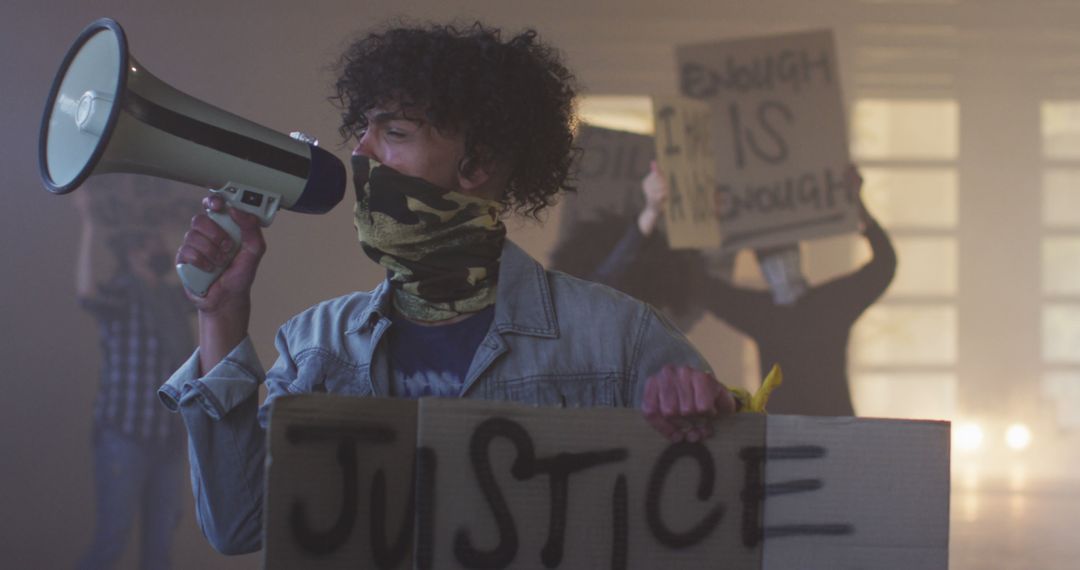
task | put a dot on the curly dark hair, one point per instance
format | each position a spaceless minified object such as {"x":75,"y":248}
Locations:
{"x":513,"y":101}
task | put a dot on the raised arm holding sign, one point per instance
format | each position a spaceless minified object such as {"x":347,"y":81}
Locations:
{"x":801,"y":326}
{"x":683,"y":153}
{"x":804,"y":326}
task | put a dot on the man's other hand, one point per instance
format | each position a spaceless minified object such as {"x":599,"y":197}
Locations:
{"x":682,"y":402}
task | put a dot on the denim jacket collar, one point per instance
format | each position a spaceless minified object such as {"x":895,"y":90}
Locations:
{"x":523,"y":303}
{"x":379,"y":305}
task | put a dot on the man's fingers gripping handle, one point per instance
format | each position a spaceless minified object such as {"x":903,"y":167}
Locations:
{"x":196,"y":280}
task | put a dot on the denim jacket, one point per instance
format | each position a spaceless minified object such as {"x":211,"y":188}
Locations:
{"x":554,"y":341}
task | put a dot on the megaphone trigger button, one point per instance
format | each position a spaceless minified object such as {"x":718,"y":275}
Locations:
{"x":251,"y":198}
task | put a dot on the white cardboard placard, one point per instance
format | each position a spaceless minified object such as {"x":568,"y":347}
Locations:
{"x":779,"y":136}
{"x":507,"y":486}
{"x":684,"y":154}
{"x":609,"y":173}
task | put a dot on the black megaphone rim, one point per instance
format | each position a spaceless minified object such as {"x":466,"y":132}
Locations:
{"x":114,"y":113}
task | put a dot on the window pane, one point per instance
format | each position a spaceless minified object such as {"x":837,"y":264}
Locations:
{"x":1062,"y":391}
{"x":911,"y":197}
{"x":1061,"y":129}
{"x":929,"y":396}
{"x":1061,"y":333}
{"x":1061,"y":266}
{"x":620,"y":112}
{"x":908,"y":128}
{"x":1061,"y":197}
{"x":926,"y":266}
{"x":897,"y":334}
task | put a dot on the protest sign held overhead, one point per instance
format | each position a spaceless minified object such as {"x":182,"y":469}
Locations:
{"x":444,"y":483}
{"x":779,"y":136}
{"x":123,"y":204}
{"x":684,"y":154}
{"x":609,"y":172}
{"x":128,"y":202}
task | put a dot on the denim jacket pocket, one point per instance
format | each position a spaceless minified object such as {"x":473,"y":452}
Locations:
{"x":320,"y":371}
{"x":562,"y":391}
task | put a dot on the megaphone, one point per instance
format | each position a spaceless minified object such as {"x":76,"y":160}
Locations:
{"x":107,"y":113}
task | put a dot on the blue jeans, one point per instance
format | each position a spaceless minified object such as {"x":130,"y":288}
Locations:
{"x":135,"y":477}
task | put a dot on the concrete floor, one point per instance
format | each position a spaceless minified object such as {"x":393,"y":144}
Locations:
{"x":1001,"y":525}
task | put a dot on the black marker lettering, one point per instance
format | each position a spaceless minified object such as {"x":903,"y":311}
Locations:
{"x":697,"y":133}
{"x":724,"y":199}
{"x":787,"y":68}
{"x":752,"y":495}
{"x":700,"y":199}
{"x":810,"y":192}
{"x":765,"y":110}
{"x":755,"y":491}
{"x":526,"y":466}
{"x":504,"y":552}
{"x":834,"y":186}
{"x":657,"y":527}
{"x":347,"y":437}
{"x":559,"y":468}
{"x":822,"y":63}
{"x":736,"y":132}
{"x":665,"y":115}
{"x":620,"y":527}
{"x":388,"y":556}
{"x":425,"y":507}
{"x":694,"y":81}
{"x":675,"y":205}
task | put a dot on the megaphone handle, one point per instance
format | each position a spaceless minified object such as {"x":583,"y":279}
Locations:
{"x":198,"y":281}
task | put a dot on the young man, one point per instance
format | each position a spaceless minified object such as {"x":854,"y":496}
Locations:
{"x":464,"y":127}
{"x":145,"y":328}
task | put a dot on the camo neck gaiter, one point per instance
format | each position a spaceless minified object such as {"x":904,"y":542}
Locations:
{"x":441,"y":248}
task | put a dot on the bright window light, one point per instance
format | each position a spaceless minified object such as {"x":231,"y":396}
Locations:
{"x":968,"y":437}
{"x":1018,"y":437}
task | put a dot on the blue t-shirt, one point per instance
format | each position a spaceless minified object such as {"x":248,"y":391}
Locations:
{"x":433,"y":360}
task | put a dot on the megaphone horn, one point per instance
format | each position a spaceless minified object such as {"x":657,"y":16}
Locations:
{"x":107,"y":113}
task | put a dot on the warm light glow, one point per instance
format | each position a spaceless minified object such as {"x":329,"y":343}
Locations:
{"x":968,"y":437}
{"x":1018,"y":478}
{"x":619,"y":112}
{"x":1018,"y":437}
{"x":968,"y":503}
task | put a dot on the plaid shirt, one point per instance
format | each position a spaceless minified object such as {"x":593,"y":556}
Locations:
{"x":133,"y":366}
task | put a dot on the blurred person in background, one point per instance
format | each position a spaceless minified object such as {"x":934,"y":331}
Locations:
{"x":804,"y":328}
{"x":145,"y":332}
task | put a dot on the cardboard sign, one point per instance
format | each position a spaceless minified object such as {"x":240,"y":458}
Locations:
{"x":441,"y":483}
{"x":610,"y":169}
{"x":121,"y":202}
{"x":124,"y":203}
{"x":779,"y":136}
{"x":684,"y":154}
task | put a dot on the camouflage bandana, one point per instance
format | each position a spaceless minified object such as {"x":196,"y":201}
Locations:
{"x":441,"y":248}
